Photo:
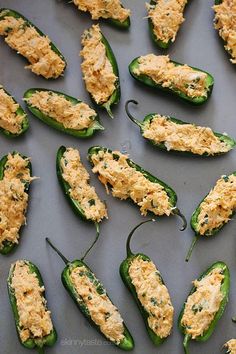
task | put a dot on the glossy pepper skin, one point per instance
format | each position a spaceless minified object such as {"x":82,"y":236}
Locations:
{"x":170,"y":192}
{"x":9,"y":246}
{"x":225,"y":286}
{"x":25,"y":122}
{"x":146,"y":80}
{"x":115,"y":97}
{"x":124,"y":273}
{"x":127,"y":343}
{"x":37,"y":343}
{"x":82,"y":133}
{"x":148,"y":118}
{"x":194,"y":225}
{"x":9,"y":12}
{"x":158,"y":42}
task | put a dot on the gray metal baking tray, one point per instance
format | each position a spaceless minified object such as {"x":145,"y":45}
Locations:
{"x":49,"y":214}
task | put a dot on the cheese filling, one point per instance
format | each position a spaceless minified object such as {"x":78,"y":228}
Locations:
{"x":103,"y":8}
{"x":176,"y":77}
{"x":34,"y":318}
{"x":75,"y":174}
{"x":153,"y":295}
{"x":100,"y":307}
{"x":166,"y":17}
{"x":231,"y":346}
{"x":72,"y":116}
{"x":218,"y":206}
{"x":183,"y":137}
{"x":126,"y":182}
{"x":100,"y":80}
{"x":10,"y":120}
{"x":202,"y":306}
{"x":225,"y":22}
{"x":34,"y":47}
{"x":13,"y":198}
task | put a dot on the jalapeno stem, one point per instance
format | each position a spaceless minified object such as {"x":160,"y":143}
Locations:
{"x":128,"y":250}
{"x":107,"y":106}
{"x":233,"y":319}
{"x":191,"y":248}
{"x":177,"y":212}
{"x":134,"y":120}
{"x":40,"y":350}
{"x":97,"y":236}
{"x":185,"y":343}
{"x":65,"y":260}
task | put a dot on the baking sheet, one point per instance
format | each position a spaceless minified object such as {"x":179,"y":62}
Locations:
{"x":49,"y":214}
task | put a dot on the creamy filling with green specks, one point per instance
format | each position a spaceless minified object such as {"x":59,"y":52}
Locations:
{"x":231,"y":346}
{"x":10,"y":120}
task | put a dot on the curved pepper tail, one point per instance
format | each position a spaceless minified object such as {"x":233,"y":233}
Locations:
{"x":233,"y":319}
{"x":128,"y":250}
{"x":107,"y":107}
{"x":40,"y":350}
{"x":185,"y":343}
{"x":65,"y":260}
{"x":96,"y":238}
{"x":134,"y":120}
{"x":191,"y":248}
{"x":177,"y":212}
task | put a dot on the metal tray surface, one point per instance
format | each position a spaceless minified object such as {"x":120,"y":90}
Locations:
{"x":49,"y":214}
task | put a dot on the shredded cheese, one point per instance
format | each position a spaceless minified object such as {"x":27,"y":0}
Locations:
{"x":73,"y":116}
{"x":100,"y":307}
{"x":231,"y":346}
{"x":10,"y":120}
{"x":153,"y":295}
{"x":218,"y":206}
{"x":100,"y":80}
{"x":202,"y":306}
{"x":103,"y":8}
{"x":181,"y":78}
{"x":166,"y":17}
{"x":127,"y":182}
{"x":183,"y":137}
{"x":34,"y":318}
{"x":36,"y":48}
{"x":13,"y":198}
{"x":225,"y":22}
{"x":75,"y":174}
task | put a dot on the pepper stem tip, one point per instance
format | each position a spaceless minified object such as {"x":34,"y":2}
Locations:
{"x":191,"y":248}
{"x":128,"y":249}
{"x":185,"y":343}
{"x":65,"y":260}
{"x":177,"y":212}
{"x":96,"y":238}
{"x":134,"y":120}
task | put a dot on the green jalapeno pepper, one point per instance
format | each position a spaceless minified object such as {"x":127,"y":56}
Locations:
{"x":8,"y":246}
{"x":224,"y":289}
{"x":20,"y":112}
{"x":231,"y":143}
{"x":159,"y":42}
{"x":66,"y":189}
{"x":124,"y":273}
{"x":195,"y":224}
{"x":4,"y":12}
{"x":127,"y":342}
{"x":31,"y":343}
{"x":115,"y":96}
{"x":148,"y":81}
{"x":79,"y":133}
{"x":169,"y":191}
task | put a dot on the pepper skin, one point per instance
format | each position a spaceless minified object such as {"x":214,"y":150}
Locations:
{"x":146,"y":80}
{"x":124,"y":273}
{"x":170,"y":192}
{"x":31,"y":343}
{"x":25,"y":122}
{"x":148,"y":118}
{"x":9,"y":12}
{"x":83,"y":133}
{"x":127,"y":343}
{"x":158,"y":42}
{"x":224,"y":290}
{"x":194,"y":226}
{"x":9,"y":246}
